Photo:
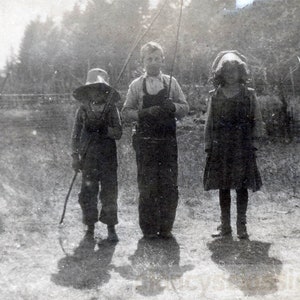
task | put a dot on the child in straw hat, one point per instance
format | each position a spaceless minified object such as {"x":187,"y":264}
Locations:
{"x":94,"y":150}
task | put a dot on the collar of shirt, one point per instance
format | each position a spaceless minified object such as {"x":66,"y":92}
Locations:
{"x":159,"y":76}
{"x":154,"y":83}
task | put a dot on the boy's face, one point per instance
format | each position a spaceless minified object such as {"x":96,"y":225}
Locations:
{"x":231,"y":73}
{"x":153,"y":62}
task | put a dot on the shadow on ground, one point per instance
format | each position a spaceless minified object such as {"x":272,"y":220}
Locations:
{"x":249,"y":265}
{"x":154,"y":261}
{"x":87,"y":268}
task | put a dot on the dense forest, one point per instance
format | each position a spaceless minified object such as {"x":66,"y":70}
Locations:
{"x":54,"y":58}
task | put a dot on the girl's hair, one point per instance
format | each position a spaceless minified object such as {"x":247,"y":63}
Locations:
{"x":151,"y":47}
{"x":235,"y":59}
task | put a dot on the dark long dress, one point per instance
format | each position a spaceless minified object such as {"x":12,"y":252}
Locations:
{"x":229,"y":132}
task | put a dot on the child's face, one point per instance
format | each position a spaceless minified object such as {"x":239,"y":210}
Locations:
{"x":153,"y":62}
{"x":95,"y":101}
{"x":96,"y":96}
{"x":96,"y":107}
{"x":231,"y":73}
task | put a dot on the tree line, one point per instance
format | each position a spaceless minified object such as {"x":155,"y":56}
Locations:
{"x":54,"y":58}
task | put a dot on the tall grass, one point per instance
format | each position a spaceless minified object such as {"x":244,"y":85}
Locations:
{"x":36,"y":163}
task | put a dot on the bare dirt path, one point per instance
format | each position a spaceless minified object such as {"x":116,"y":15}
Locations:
{"x":39,"y":260}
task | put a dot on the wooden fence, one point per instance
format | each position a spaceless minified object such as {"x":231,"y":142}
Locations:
{"x":48,"y":108}
{"x":29,"y":101}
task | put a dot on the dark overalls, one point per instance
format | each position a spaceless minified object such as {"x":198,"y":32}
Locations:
{"x":99,"y":166}
{"x":156,"y":154}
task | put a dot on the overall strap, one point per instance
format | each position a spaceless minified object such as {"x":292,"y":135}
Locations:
{"x":166,"y":84}
{"x":145,"y":87}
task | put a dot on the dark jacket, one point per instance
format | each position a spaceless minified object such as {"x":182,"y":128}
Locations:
{"x":85,"y":129}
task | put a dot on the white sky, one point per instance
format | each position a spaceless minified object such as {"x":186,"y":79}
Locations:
{"x":16,"y":14}
{"x":242,"y":3}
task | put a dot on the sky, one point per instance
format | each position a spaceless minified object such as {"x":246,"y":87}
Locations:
{"x":242,"y":3}
{"x":16,"y":14}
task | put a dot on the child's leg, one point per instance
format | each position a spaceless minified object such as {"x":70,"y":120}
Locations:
{"x":225,"y":203}
{"x":148,"y":188}
{"x":88,"y":200}
{"x":109,"y":196}
{"x":242,"y":204}
{"x":168,"y":187}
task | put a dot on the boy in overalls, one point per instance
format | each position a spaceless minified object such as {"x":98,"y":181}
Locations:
{"x":155,"y":112}
{"x":94,"y":150}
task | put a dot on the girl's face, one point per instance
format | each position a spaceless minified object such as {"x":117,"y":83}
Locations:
{"x":153,"y":62}
{"x":231,"y":74}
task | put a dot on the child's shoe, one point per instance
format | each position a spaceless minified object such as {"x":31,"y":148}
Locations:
{"x":90,"y":230}
{"x":223,"y":230}
{"x":166,"y":234}
{"x":242,"y":230}
{"x":112,"y":235}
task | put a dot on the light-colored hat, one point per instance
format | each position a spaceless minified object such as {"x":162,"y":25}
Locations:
{"x":230,"y":56}
{"x":96,"y":75}
{"x":97,"y":79}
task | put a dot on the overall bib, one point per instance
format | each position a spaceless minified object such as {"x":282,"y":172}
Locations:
{"x":156,"y":154}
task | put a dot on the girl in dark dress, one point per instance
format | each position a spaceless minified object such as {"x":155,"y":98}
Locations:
{"x":233,"y":123}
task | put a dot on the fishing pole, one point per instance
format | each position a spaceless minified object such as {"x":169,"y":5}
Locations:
{"x":140,"y":37}
{"x":176,"y":47}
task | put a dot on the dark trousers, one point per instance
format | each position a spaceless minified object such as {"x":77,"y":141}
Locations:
{"x":88,"y":197}
{"x":241,"y":202}
{"x":157,"y":182}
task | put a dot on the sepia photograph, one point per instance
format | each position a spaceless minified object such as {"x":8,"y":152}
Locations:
{"x":150,"y":149}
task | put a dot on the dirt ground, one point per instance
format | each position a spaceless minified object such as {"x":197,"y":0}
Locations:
{"x":40,"y":260}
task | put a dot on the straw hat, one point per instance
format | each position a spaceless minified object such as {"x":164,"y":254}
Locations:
{"x":97,"y":79}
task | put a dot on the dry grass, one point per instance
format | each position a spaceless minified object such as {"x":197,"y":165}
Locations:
{"x":35,"y":175}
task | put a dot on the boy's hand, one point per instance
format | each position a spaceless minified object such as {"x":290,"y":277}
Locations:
{"x":154,"y":111}
{"x":76,"y":163}
{"x":169,"y":106}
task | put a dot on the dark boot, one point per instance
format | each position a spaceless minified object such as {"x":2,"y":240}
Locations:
{"x":166,"y":234}
{"x":242,"y":203}
{"x":90,"y":230}
{"x":241,"y":229}
{"x":224,"y":229}
{"x":150,"y":236}
{"x":112,"y":235}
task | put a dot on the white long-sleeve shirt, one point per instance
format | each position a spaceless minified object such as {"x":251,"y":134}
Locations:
{"x":135,"y":94}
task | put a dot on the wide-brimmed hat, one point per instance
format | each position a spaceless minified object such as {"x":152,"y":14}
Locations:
{"x":97,"y":79}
